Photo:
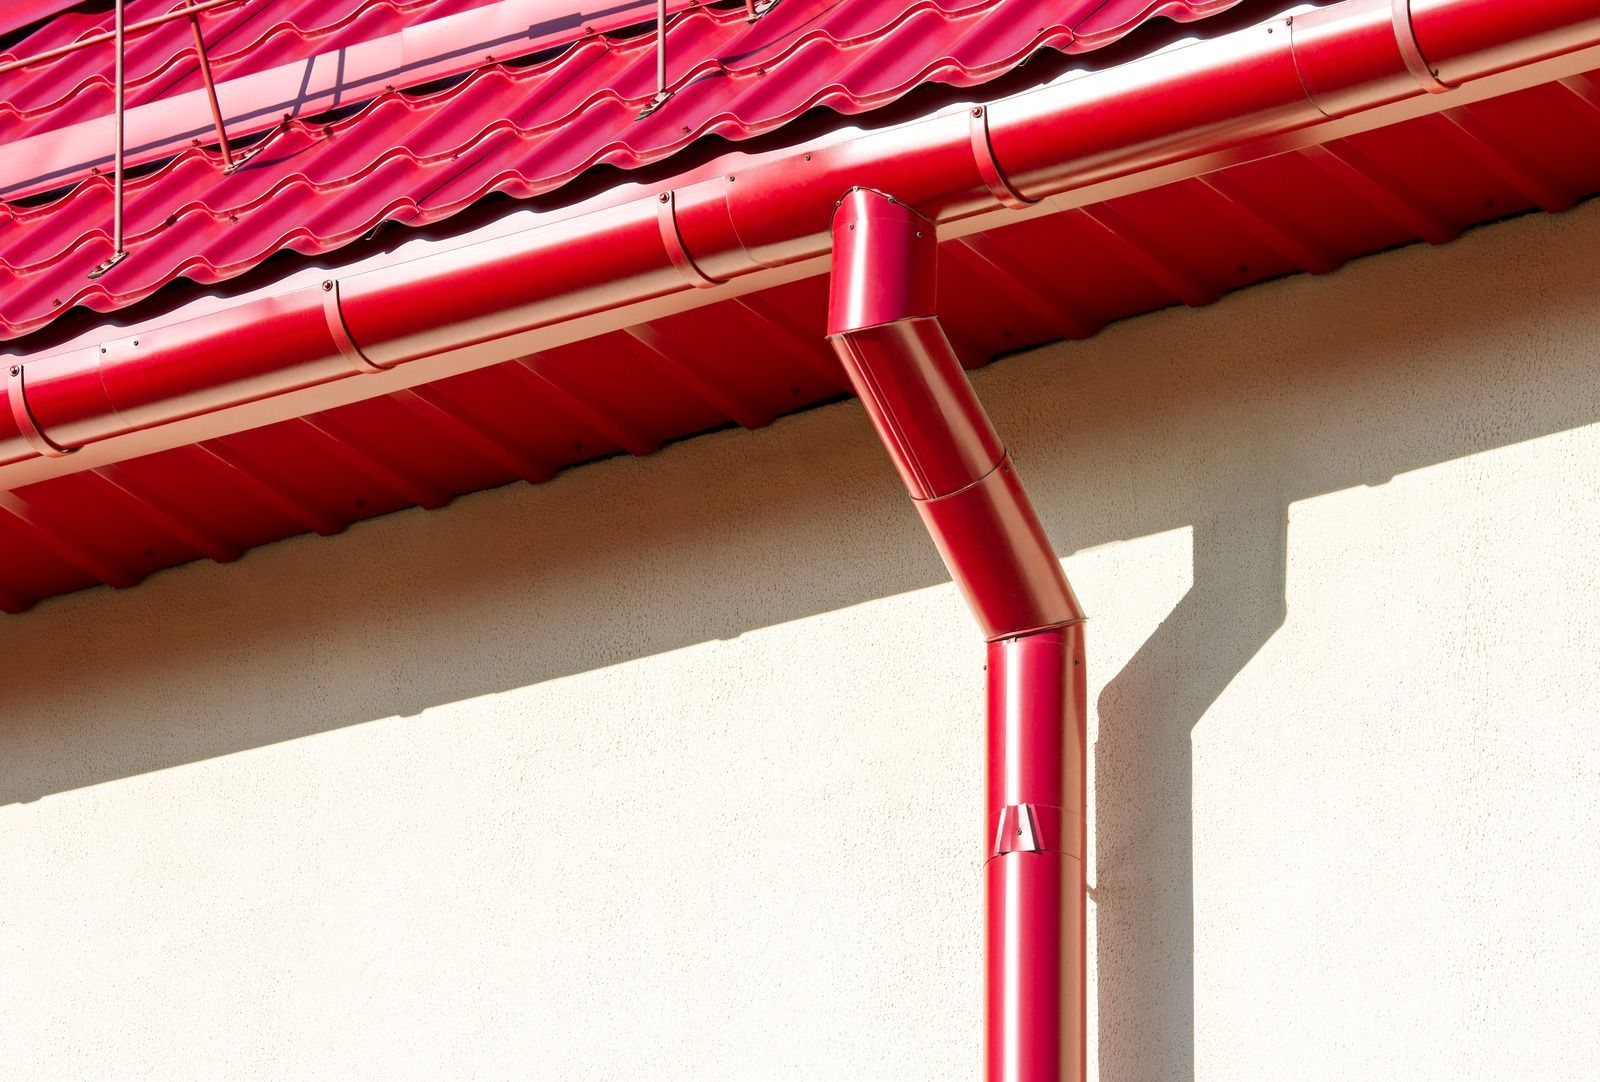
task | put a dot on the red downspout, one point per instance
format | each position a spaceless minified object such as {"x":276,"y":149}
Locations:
{"x":883,"y":325}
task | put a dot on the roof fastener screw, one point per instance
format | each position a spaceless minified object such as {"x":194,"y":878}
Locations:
{"x":664,"y":197}
{"x":102,"y":349}
{"x":730,"y":178}
{"x":327,"y":287}
{"x":978,"y":111}
{"x":808,"y":157}
{"x":16,"y":370}
{"x":135,"y":341}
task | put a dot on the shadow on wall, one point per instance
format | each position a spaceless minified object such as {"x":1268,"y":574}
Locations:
{"x":1218,"y":420}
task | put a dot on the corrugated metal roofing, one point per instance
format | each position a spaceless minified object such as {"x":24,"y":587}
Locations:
{"x":241,"y":38}
{"x":513,"y":127}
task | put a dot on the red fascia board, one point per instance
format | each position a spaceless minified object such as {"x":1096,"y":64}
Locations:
{"x":1176,"y":114}
{"x":262,"y":100}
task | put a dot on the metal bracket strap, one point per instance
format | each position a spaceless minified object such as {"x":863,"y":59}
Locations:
{"x":26,"y":425}
{"x":340,"y":333}
{"x":989,"y":166}
{"x":667,"y":220}
{"x":1405,"y":36}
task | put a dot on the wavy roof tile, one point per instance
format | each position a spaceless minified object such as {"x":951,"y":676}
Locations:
{"x":241,"y":38}
{"x":522,"y":126}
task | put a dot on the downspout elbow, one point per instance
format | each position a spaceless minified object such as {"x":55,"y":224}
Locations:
{"x":883,"y":324}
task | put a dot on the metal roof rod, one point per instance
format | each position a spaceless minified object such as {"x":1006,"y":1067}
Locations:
{"x":118,"y":253}
{"x":228,"y":162}
{"x":111,"y":35}
{"x":884,"y":326}
{"x":662,"y":93}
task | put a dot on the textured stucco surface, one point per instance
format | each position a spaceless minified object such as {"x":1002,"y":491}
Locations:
{"x":670,"y":769}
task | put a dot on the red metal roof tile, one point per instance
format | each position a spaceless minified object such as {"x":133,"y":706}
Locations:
{"x":518,"y":128}
{"x":242,"y":37}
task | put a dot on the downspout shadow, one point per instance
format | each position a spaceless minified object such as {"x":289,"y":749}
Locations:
{"x":1144,"y":871}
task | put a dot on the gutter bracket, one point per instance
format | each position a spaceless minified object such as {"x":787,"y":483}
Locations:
{"x":1405,"y":38}
{"x":994,"y":178}
{"x":16,"y":394}
{"x":339,"y":331}
{"x":672,"y":240}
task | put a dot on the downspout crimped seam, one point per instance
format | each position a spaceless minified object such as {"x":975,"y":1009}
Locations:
{"x":1178,"y":113}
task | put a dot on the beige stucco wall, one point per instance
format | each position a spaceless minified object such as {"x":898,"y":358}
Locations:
{"x":670,"y":769}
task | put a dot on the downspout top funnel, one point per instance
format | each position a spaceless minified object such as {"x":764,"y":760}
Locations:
{"x":902,"y":283}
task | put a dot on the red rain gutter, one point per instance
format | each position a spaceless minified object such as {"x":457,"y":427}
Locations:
{"x":1287,"y":83}
{"x":883,"y":325}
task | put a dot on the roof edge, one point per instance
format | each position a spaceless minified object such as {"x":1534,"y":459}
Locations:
{"x":1177,"y":114}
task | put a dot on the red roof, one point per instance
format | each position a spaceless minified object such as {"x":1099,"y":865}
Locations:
{"x":524,"y":124}
{"x":747,"y":359}
{"x":241,"y":38}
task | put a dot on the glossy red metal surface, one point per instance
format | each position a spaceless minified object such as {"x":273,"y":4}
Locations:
{"x":655,"y":355}
{"x":999,"y":555}
{"x":772,"y":214}
{"x":882,"y":323}
{"x":1035,"y":938}
{"x":251,"y":35}
{"x":516,"y":127}
{"x":255,"y":101}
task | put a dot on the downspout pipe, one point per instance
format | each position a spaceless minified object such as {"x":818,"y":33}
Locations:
{"x":1246,"y":95}
{"x":883,"y":324}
